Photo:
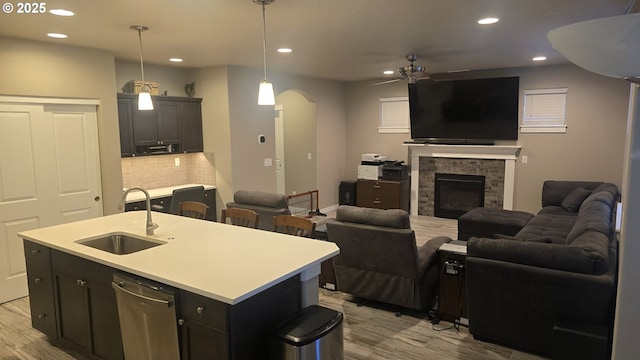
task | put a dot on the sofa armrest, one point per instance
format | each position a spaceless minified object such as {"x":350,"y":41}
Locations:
{"x":428,"y":252}
{"x":551,"y":256}
{"x":517,"y":304}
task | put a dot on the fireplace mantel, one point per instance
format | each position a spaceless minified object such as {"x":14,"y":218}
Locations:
{"x":508,"y":153}
{"x":502,"y":152}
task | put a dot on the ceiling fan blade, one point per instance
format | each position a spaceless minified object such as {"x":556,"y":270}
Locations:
{"x":386,"y":82}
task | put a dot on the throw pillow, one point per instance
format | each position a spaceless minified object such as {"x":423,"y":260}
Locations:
{"x":574,"y":199}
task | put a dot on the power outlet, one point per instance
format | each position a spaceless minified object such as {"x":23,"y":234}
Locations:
{"x":177,"y":161}
{"x":525,"y":159}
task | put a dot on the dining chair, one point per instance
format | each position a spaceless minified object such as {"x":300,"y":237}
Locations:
{"x":240,"y":217}
{"x":192,"y":193}
{"x":294,"y":225}
{"x":193,"y":209}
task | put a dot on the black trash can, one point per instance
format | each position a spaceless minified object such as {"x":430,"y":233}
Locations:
{"x":314,"y":333}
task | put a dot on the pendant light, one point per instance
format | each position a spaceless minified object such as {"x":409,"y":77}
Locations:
{"x":144,"y":96}
{"x":265,"y":91}
{"x":606,"y":46}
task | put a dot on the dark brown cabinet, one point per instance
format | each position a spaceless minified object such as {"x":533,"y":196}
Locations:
{"x":203,"y":327}
{"x":175,"y":121}
{"x":87,"y":314}
{"x":40,"y":282}
{"x":160,"y":126}
{"x":383,"y":194}
{"x":210,"y":200}
{"x":82,"y":311}
{"x":191,"y":126}
{"x":165,"y":202}
{"x":125,"y":117}
{"x":452,"y":298}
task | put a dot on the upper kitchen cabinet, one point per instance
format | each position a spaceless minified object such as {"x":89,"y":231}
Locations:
{"x":127,"y":147}
{"x":191,"y":121}
{"x":175,"y":125}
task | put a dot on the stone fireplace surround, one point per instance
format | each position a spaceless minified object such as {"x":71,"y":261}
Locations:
{"x":461,"y":159}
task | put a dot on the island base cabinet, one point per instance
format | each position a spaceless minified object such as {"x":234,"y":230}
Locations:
{"x":81,"y":313}
{"x":202,"y":342}
{"x":87,"y":311}
{"x":40,"y":282}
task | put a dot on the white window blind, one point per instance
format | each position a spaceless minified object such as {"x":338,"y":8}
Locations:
{"x":544,"y":110}
{"x":394,"y":115}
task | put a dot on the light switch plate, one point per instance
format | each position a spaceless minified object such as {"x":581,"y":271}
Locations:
{"x":268,"y":162}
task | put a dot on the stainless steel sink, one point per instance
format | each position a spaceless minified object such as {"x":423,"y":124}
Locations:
{"x":120,"y":243}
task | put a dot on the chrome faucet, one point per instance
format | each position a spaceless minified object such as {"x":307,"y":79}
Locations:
{"x":150,"y":224}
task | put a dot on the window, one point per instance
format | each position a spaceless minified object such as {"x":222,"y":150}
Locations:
{"x":544,"y":111}
{"x":394,"y":115}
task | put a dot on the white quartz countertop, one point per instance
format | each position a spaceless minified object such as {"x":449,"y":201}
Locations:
{"x":224,"y":262}
{"x":160,"y":192}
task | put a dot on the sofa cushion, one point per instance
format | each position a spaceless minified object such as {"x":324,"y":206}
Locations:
{"x":539,"y":255}
{"x":507,"y":237}
{"x":604,"y":197}
{"x":596,"y":247}
{"x":556,"y":210}
{"x":554,"y":191}
{"x":574,"y":199}
{"x":260,"y":198}
{"x":549,"y":226}
{"x":393,"y":218}
{"x":484,"y":222}
{"x":593,"y":216}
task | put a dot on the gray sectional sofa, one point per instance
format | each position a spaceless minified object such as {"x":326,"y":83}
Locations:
{"x":559,"y":268}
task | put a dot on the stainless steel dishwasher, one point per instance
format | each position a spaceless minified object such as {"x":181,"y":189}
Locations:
{"x":147,"y":314}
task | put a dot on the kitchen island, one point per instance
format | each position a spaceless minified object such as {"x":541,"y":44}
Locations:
{"x":250,"y":278}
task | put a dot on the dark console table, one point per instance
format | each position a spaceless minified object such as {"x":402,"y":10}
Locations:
{"x":452,"y":295}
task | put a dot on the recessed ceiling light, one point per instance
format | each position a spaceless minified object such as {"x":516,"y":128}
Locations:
{"x":488,"y":21}
{"x":539,"y":58}
{"x":61,"y":12}
{"x":388,"y":72}
{"x":176,"y":60}
{"x":57,"y":36}
{"x":284,"y":50}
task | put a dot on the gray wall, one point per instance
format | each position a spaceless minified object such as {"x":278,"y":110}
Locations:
{"x":33,"y":68}
{"x":169,"y":78}
{"x":594,"y":144}
{"x":592,"y":148}
{"x":299,"y":130}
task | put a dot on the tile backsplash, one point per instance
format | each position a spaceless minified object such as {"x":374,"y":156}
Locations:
{"x":157,"y":171}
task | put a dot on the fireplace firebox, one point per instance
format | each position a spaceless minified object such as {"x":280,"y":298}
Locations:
{"x":455,"y":194}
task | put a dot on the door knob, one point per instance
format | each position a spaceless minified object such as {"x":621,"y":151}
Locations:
{"x":96,"y":199}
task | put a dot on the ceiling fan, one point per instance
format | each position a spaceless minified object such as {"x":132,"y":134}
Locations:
{"x":411,"y":72}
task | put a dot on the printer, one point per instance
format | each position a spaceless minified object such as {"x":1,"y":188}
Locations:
{"x":370,"y":167}
{"x":372,"y":159}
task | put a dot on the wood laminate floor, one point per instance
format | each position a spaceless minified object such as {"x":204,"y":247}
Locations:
{"x":371,"y":332}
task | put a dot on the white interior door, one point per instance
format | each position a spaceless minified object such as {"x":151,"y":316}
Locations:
{"x":279,"y":139}
{"x":49,"y":175}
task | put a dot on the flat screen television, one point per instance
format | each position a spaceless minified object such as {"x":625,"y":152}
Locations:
{"x":464,"y":111}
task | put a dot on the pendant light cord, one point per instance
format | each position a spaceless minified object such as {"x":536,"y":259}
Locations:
{"x":264,"y":41}
{"x":141,"y":61}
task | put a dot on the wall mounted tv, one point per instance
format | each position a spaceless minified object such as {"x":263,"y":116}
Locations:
{"x":476,"y":111}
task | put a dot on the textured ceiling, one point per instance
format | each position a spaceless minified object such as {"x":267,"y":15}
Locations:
{"x":344,"y":40}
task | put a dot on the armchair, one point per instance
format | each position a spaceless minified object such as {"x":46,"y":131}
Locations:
{"x":379,"y":259}
{"x":265,"y":204}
